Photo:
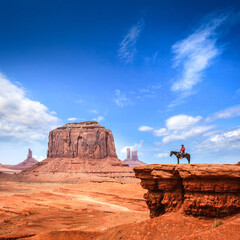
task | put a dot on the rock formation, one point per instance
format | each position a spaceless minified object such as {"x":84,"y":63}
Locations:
{"x":80,"y":152}
{"x":27,"y":163}
{"x":84,"y":140}
{"x":208,"y":190}
{"x":133,"y":161}
{"x":135,"y":156}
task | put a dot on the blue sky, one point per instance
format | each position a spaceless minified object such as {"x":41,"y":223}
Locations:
{"x":157,"y":73}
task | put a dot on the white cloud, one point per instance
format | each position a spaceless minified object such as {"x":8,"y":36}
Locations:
{"x":195,"y":53}
{"x":121,"y":100}
{"x":182,"y":127}
{"x":99,"y":118}
{"x":160,"y":132}
{"x":181,"y":98}
{"x":221,"y":141}
{"x":192,"y":132}
{"x":72,"y":119}
{"x":152,"y":59}
{"x":180,"y":122}
{"x":21,"y":117}
{"x":145,"y":129}
{"x":127,"y":48}
{"x":226,"y":113}
{"x":162,"y":155}
{"x":136,"y":146}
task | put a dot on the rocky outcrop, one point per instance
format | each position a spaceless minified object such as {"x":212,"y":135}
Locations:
{"x":27,"y":163}
{"x":135,"y":156}
{"x":80,"y":152}
{"x":84,"y":140}
{"x":133,"y":161}
{"x":197,"y":189}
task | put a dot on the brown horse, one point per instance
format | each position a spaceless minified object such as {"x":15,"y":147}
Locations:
{"x":178,"y":155}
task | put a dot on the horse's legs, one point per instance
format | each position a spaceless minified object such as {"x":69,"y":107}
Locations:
{"x":177,"y":160}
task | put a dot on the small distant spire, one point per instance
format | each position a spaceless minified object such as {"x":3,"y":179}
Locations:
{"x":29,"y":153}
{"x":128,"y":153}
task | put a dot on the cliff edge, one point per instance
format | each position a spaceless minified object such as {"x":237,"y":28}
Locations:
{"x":209,"y":190}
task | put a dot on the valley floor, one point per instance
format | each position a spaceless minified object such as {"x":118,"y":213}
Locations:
{"x":54,"y":211}
{"x":31,"y":208}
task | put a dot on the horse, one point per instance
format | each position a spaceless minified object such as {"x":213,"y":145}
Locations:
{"x":178,"y":155}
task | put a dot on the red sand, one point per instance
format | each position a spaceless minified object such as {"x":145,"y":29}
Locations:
{"x":101,"y":211}
{"x":33,"y":208}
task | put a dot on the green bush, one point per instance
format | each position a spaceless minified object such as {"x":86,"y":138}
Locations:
{"x":217,"y":223}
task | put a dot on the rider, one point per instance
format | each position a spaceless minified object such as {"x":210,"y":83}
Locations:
{"x":182,"y":151}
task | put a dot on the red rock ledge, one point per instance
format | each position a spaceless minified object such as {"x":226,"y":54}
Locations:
{"x":197,"y":189}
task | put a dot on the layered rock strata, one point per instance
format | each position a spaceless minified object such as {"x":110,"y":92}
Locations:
{"x":197,"y":189}
{"x":84,"y":140}
{"x":80,"y":152}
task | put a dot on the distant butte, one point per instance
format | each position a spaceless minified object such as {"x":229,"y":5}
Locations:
{"x":80,"y":152}
{"x":27,"y":163}
{"x":133,"y":161}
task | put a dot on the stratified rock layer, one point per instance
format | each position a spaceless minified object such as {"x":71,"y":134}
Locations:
{"x":80,"y":152}
{"x":198,"y":189}
{"x":84,"y":140}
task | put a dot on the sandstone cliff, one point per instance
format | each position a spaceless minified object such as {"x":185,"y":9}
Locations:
{"x":80,"y":152}
{"x":197,"y":189}
{"x":86,"y":140}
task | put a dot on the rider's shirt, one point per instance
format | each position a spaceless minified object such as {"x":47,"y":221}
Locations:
{"x":182,"y":149}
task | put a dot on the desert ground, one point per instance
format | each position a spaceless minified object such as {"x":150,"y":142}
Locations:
{"x":54,"y":211}
{"x":27,"y":209}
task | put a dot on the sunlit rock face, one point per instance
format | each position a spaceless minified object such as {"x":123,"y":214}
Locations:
{"x":85,"y":140}
{"x":80,"y":152}
{"x":209,"y":190}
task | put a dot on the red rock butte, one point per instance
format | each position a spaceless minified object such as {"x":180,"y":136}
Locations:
{"x":84,"y":140}
{"x":209,"y":190}
{"x":79,"y":152}
{"x":133,"y":161}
